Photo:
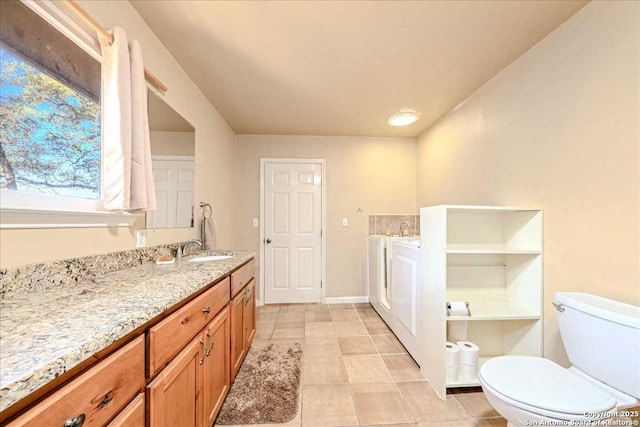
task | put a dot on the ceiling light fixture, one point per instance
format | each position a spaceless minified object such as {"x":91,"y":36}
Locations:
{"x":403,"y":118}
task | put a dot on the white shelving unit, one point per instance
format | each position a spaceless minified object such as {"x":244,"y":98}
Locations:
{"x":490,"y":256}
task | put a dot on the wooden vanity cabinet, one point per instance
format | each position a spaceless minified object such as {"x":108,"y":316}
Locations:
{"x":175,"y":395}
{"x":238,"y":347}
{"x":191,"y":389}
{"x":243,"y":325}
{"x":132,"y":415}
{"x":96,"y":395}
{"x":243,"y":313}
{"x":249,"y":315}
{"x":217,"y":364}
{"x":169,"y":336}
{"x":242,"y":276}
{"x":191,"y":355}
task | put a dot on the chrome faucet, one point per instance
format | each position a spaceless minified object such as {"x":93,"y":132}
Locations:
{"x":404,"y":223}
{"x":183,"y":249}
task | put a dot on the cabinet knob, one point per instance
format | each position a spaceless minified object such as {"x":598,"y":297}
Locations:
{"x":206,"y":310}
{"x":267,"y":241}
{"x":75,"y":421}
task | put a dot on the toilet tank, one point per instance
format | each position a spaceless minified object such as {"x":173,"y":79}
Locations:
{"x":602,"y":338}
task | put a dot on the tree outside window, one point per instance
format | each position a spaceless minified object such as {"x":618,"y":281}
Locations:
{"x":49,"y":132}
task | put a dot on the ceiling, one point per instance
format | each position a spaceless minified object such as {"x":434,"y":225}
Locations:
{"x":341,"y":67}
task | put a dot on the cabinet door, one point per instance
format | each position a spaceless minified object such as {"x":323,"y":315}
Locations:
{"x":217,"y":375}
{"x":175,"y":394}
{"x":237,"y":333}
{"x":169,"y":336}
{"x":132,"y":415}
{"x":249,"y":315}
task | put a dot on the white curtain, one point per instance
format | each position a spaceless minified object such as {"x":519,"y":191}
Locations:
{"x":127,"y":175}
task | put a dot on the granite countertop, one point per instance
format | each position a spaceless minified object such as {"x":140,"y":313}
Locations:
{"x":44,"y":334}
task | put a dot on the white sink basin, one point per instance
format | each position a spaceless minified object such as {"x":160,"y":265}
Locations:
{"x":209,"y":258}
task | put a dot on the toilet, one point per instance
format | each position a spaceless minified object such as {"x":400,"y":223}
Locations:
{"x":602,"y":340}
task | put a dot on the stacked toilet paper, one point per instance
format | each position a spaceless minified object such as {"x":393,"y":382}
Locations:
{"x":462,"y":360}
{"x":469,"y":359}
{"x":453,"y":362}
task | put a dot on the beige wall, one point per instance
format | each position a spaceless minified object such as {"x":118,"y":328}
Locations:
{"x":374,"y":174}
{"x":558,"y":128}
{"x":214,"y":160}
{"x":172,"y":143}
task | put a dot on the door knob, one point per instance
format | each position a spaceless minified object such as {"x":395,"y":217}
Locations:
{"x":267,"y":241}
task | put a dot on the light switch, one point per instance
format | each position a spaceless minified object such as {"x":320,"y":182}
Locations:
{"x":141,"y":238}
{"x":255,"y":222}
{"x":345,"y":222}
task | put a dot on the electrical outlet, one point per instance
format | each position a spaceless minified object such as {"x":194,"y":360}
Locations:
{"x":255,"y":222}
{"x":345,"y":222}
{"x":141,"y":238}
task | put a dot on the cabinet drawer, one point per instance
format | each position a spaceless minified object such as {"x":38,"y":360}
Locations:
{"x":132,"y":415}
{"x":242,"y":276}
{"x":97,"y":394}
{"x":169,"y":336}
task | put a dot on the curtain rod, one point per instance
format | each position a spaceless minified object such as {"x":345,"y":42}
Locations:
{"x":81,"y":13}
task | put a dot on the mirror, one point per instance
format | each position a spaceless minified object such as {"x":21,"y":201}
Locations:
{"x":173,"y":143}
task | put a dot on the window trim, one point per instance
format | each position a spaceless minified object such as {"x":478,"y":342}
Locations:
{"x":32,"y":210}
{"x":23,"y":218}
{"x":21,"y":210}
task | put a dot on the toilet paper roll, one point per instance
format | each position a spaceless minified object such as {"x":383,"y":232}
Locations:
{"x":453,"y":374}
{"x":469,"y":353}
{"x":468,"y":371}
{"x":458,"y":308}
{"x":453,"y":354}
{"x":457,"y":330}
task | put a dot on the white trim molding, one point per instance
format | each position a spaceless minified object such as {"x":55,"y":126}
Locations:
{"x":333,"y":300}
{"x":36,"y":210}
{"x":173,"y":158}
{"x":346,"y":300}
{"x":11,"y":218}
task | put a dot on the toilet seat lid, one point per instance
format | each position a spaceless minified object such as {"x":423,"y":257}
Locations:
{"x":540,"y":383}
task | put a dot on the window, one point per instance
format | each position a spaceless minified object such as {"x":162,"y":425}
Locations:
{"x":50,"y":109}
{"x":50,"y":116}
{"x":50,"y":132}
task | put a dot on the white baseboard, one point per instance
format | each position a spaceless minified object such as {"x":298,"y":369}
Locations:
{"x":333,"y":300}
{"x":346,"y":300}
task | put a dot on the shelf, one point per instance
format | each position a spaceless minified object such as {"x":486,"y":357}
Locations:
{"x":490,"y":251}
{"x":491,"y":256}
{"x":487,"y":209}
{"x":496,"y":310}
{"x":468,"y":382}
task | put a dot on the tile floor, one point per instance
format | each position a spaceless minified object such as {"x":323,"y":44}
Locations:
{"x":356,"y":373}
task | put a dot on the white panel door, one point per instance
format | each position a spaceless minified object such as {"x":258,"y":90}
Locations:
{"x":174,"y":183}
{"x":292,"y":232}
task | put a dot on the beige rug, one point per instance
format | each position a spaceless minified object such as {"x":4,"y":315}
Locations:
{"x":266,"y":388}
